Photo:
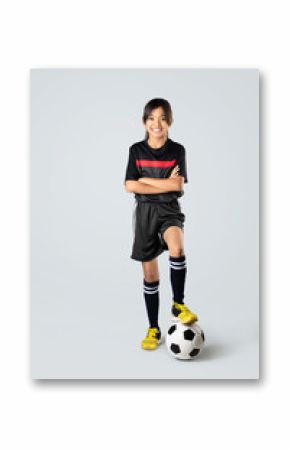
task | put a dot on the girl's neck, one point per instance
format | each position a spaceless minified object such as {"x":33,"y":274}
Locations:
{"x":156,"y":143}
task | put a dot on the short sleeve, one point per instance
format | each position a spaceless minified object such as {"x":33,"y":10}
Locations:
{"x":131,"y":170}
{"x":181,"y":161}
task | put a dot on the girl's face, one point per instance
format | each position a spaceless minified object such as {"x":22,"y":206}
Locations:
{"x":156,"y":124}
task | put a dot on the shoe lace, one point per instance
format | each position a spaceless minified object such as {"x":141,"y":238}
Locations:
{"x":183,"y":308}
{"x":152,"y":332}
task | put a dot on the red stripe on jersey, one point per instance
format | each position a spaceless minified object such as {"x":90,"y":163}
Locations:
{"x":147,"y":163}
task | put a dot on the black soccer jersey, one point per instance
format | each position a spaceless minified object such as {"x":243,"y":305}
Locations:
{"x":145,"y":161}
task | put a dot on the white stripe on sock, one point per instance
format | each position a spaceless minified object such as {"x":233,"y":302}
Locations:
{"x":178,"y":268}
{"x":151,"y":288}
{"x":150,"y":293}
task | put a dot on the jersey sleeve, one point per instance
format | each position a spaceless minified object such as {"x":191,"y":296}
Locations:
{"x":132,"y":172}
{"x":181,"y":161}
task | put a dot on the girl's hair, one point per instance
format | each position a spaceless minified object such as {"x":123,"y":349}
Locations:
{"x":156,"y":103}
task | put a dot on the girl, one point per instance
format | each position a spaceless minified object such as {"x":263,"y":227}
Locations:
{"x":156,"y":172}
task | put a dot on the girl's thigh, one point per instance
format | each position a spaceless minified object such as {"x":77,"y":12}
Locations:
{"x":174,"y":238}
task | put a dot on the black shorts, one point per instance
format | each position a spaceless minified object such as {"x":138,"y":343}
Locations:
{"x":150,"y":222}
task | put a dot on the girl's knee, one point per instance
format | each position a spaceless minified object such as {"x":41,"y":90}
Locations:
{"x":151,"y":276}
{"x":176,"y":251}
{"x":151,"y":271}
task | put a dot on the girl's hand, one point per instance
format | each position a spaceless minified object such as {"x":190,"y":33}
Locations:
{"x":175,"y":172}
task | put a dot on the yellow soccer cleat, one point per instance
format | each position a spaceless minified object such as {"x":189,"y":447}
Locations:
{"x":152,"y":339}
{"x":183,"y":314}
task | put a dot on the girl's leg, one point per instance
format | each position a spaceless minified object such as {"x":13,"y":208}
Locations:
{"x":151,"y":290}
{"x":173,"y":236}
{"x":151,"y":270}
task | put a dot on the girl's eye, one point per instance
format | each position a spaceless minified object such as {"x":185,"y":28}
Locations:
{"x":152,"y":118}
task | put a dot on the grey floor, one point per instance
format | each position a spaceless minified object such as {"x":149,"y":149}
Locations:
{"x":78,"y":335}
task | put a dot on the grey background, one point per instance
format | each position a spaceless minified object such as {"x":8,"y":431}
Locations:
{"x":87,"y":308}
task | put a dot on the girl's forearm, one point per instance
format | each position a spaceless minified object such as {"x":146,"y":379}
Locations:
{"x":142,"y":188}
{"x":170,"y":184}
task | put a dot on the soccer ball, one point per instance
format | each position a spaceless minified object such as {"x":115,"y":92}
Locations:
{"x":184,"y":341}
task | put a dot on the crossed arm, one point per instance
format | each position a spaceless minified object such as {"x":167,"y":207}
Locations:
{"x":155,"y":185}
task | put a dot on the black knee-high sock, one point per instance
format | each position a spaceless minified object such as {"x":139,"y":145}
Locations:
{"x":151,"y":295}
{"x":177,"y":277}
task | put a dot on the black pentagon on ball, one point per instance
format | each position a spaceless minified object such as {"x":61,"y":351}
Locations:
{"x":194,"y":352}
{"x":175,"y":348}
{"x":202,"y":335}
{"x":172,"y":329}
{"x":189,"y":334}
